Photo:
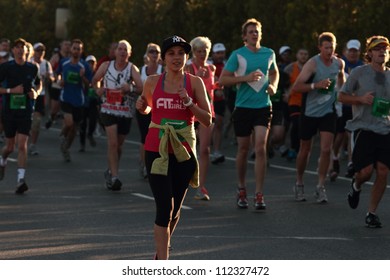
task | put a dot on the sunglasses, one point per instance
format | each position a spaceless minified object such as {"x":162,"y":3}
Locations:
{"x":379,"y":48}
{"x":153,"y":51}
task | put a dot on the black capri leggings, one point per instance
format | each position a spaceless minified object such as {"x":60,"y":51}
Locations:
{"x":169,"y":190}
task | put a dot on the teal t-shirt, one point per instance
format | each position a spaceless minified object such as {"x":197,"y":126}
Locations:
{"x":242,"y":62}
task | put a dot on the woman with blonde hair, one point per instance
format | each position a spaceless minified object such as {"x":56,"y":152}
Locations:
{"x":201,"y":47}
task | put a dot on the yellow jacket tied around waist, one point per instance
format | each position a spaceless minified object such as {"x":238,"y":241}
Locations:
{"x":170,"y":135}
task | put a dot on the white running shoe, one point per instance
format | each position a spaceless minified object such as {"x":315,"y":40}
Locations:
{"x":320,"y":194}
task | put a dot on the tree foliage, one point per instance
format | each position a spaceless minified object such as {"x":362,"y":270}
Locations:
{"x":285,"y":22}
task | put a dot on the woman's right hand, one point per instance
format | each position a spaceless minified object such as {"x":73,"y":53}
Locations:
{"x":141,"y":103}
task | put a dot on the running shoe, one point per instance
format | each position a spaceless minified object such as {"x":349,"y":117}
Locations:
{"x":21,"y":187}
{"x":33,"y":150}
{"x":142,"y":171}
{"x":320,"y":195}
{"x":242,"y":201}
{"x":259,"y":201}
{"x":292,"y":155}
{"x":116,"y":185}
{"x":353,"y":196}
{"x":145,"y":173}
{"x":333,"y":175}
{"x":299,"y":192}
{"x":372,"y":221}
{"x":218,"y":158}
{"x":66,"y":156}
{"x":350,"y":171}
{"x":107,"y":177}
{"x":202,"y":194}
{"x":283,"y":150}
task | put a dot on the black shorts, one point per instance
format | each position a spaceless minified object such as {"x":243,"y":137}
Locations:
{"x":245,"y":119}
{"x":76,"y":112}
{"x":40,"y":105}
{"x":220,"y":107}
{"x":124,"y":124}
{"x":369,"y":148}
{"x":294,"y":111}
{"x":54,"y":93}
{"x":16,"y":125}
{"x":143,"y":124}
{"x":309,"y":126}
{"x":277,"y":117}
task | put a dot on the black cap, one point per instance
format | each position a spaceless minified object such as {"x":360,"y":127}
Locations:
{"x":174,"y":41}
{"x":20,"y":41}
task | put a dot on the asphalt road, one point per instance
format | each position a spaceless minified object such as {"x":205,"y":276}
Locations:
{"x":68,"y":213}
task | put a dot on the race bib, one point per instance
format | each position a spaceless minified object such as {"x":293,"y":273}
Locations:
{"x":114,"y":97}
{"x":177,"y":124}
{"x":380,"y":107}
{"x":18,"y":101}
{"x":73,"y":77}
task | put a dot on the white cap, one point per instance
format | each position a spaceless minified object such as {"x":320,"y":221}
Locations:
{"x":283,"y":49}
{"x":219,"y":47}
{"x":90,"y":57}
{"x":353,"y":44}
{"x":39,"y":44}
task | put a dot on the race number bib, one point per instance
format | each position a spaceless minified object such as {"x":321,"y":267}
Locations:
{"x":18,"y":101}
{"x":73,"y":77}
{"x":114,"y":97}
{"x":177,"y":124}
{"x":380,"y":107}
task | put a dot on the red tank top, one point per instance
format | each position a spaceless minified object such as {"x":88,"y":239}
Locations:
{"x":209,"y":84}
{"x":168,"y":107}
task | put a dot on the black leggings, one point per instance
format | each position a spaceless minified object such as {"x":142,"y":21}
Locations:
{"x":169,"y":191}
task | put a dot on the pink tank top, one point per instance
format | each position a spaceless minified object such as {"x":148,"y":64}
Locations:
{"x":168,"y":108}
{"x":209,"y":84}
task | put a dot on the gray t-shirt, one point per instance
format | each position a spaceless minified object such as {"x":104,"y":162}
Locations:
{"x":365,"y":79}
